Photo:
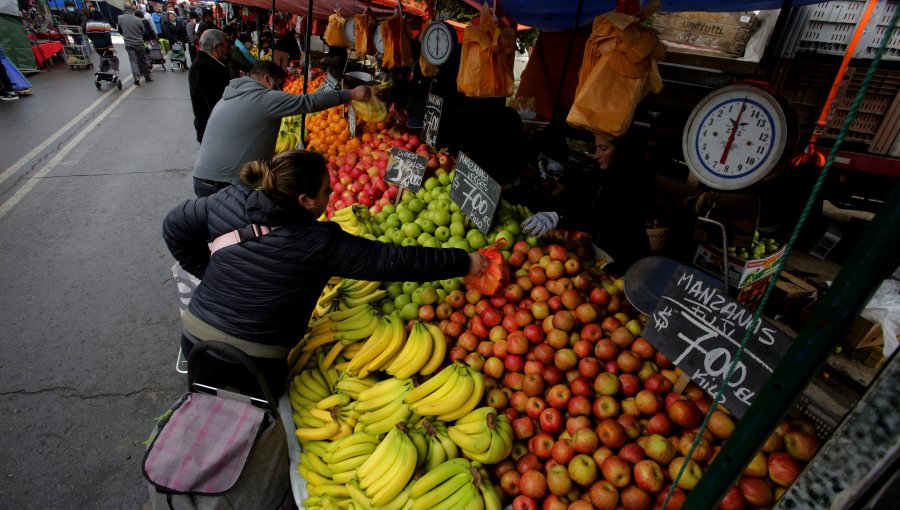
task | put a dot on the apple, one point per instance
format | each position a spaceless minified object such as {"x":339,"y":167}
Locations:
{"x":649,"y":476}
{"x":611,"y":433}
{"x":603,"y":495}
{"x":585,"y":441}
{"x":773,"y":443}
{"x":630,"y":424}
{"x":756,"y":491}
{"x":801,"y":445}
{"x":616,"y":471}
{"x":582,"y":348}
{"x":513,"y":380}
{"x":783,"y":468}
{"x":533,"y":333}
{"x":675,"y":502}
{"x":583,"y":470}
{"x":543,"y":353}
{"x":629,"y":385}
{"x":535,"y":406}
{"x":605,"y":407}
{"x":632,"y":453}
{"x":701,"y":453}
{"x":565,"y":359}
{"x":523,"y":428}
{"x":558,"y":396}
{"x":589,"y":367}
{"x":647,"y":370}
{"x":497,"y":399}
{"x":557,"y":338}
{"x":648,"y":402}
{"x":633,"y":498}
{"x":580,"y":504}
{"x":684,"y":414}
{"x":541,"y":444}
{"x":522,"y":502}
{"x":629,"y":362}
{"x":558,"y":481}
{"x":660,"y":449}
{"x":514,"y":362}
{"x":660,"y":424}
{"x":691,"y":475}
{"x":571,"y":298}
{"x":579,"y":405}
{"x":533,"y":385}
{"x":599,"y":296}
{"x":610,"y":324}
{"x":532,"y":367}
{"x":734,"y":500}
{"x":509,"y":483}
{"x":551,"y":421}
{"x":555,"y":270}
{"x":518,"y":400}
{"x":620,"y":336}
{"x":658,"y":384}
{"x":582,"y":386}
{"x":564,"y":320}
{"x":605,"y":350}
{"x":527,"y":462}
{"x":540,"y":309}
{"x":606,"y":384}
{"x":629,"y":407}
{"x":552,"y":375}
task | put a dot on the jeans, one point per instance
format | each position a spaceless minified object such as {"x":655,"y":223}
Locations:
{"x":140,"y":64}
{"x":205,"y":188}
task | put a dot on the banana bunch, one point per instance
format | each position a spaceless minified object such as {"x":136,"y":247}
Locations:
{"x":382,"y":406}
{"x":380,"y":349}
{"x":289,"y":134}
{"x":449,"y":486}
{"x":327,"y":301}
{"x":423,"y":352}
{"x":354,"y":293}
{"x":439,"y":446}
{"x":356,"y":219}
{"x":449,"y":395}
{"x":350,"y":325}
{"x":390,"y":467}
{"x":346,"y":455}
{"x":483,"y":435}
{"x":308,"y":388}
{"x":351,"y":385}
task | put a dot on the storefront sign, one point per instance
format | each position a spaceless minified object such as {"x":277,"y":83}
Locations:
{"x":700,"y":329}
{"x":405,"y":169}
{"x":475,"y":193}
{"x":433,"y":107}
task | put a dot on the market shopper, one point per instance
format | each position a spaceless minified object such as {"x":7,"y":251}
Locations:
{"x":132,"y":30}
{"x":74,"y":17}
{"x":244,"y":124}
{"x":612,"y":202}
{"x":242,"y":61}
{"x":191,"y":29}
{"x":208,"y":77}
{"x":207,"y":22}
{"x":258,"y":294}
{"x":174,"y":30}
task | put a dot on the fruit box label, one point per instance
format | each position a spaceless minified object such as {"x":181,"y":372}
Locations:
{"x":405,"y":169}
{"x":741,"y":273}
{"x":475,"y":193}
{"x":700,"y":329}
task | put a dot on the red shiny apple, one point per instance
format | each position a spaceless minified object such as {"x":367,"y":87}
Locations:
{"x":551,"y":421}
{"x":558,"y":396}
{"x":605,"y":407}
{"x":579,"y":405}
{"x":562,"y":451}
{"x":783,"y":468}
{"x":611,"y":433}
{"x":633,"y":498}
{"x":603,"y":495}
{"x":649,"y":476}
{"x":616,"y":471}
{"x":523,"y":428}
{"x":541,"y":444}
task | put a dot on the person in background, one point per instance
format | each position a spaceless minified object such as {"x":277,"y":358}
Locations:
{"x":72,"y":16}
{"x":206,"y":23}
{"x":290,"y":44}
{"x":7,"y":91}
{"x":133,"y":29}
{"x":193,"y":38}
{"x":149,"y":32}
{"x":612,"y":202}
{"x":148,"y":18}
{"x":99,"y":32}
{"x":285,"y":268}
{"x":157,"y":18}
{"x":250,"y":112}
{"x":174,"y":30}
{"x":242,"y":61}
{"x":208,"y":77}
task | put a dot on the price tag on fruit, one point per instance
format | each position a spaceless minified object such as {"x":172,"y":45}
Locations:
{"x":699,"y":328}
{"x":433,"y":106}
{"x":475,"y":192}
{"x":405,"y":169}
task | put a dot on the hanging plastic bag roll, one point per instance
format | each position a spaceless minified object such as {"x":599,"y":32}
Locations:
{"x":486,"y":64}
{"x":334,"y":32}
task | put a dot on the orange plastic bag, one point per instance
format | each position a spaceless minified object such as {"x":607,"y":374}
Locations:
{"x":396,"y":37}
{"x":334,"y":32}
{"x":618,"y":70}
{"x":486,"y":64}
{"x":495,"y":278}
{"x":364,"y":27}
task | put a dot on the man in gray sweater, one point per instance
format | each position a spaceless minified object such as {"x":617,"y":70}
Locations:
{"x":244,"y":124}
{"x":132,"y":30}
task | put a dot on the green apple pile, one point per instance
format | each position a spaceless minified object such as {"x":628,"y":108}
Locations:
{"x":759,"y":248}
{"x":414,"y":300}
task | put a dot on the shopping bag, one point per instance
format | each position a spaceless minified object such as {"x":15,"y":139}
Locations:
{"x":396,"y":37}
{"x":486,"y":64}
{"x":185,"y":286}
{"x":334,"y":32}
{"x":495,"y":277}
{"x":618,"y":70}
{"x":371,"y":111}
{"x":364,"y":27}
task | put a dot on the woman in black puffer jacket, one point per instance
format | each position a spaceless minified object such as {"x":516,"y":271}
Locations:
{"x":258,"y":294}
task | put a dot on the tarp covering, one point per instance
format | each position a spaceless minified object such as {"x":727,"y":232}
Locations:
{"x":10,"y":7}
{"x":15,"y":42}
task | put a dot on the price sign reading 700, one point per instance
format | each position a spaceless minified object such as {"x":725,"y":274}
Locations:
{"x":475,"y":193}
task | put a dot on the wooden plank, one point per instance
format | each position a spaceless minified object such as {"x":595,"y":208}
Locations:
{"x":668,"y":25}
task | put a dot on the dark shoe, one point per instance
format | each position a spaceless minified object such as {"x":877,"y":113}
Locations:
{"x":148,"y":78}
{"x":8,"y":96}
{"x":137,"y":81}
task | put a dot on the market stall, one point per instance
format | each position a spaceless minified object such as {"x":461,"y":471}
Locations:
{"x":13,"y":38}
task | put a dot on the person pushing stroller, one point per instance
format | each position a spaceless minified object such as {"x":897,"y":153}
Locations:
{"x":99,"y":32}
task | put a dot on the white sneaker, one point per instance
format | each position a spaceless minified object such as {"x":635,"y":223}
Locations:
{"x":8,"y":96}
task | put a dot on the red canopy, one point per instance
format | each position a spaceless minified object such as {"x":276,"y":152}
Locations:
{"x":324,"y":8}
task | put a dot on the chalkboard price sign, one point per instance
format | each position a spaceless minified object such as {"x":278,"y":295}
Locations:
{"x":433,"y":106}
{"x":475,"y":193}
{"x":405,"y":169}
{"x":700,"y":329}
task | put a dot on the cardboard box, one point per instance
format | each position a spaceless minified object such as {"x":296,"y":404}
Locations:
{"x":863,"y":333}
{"x":749,"y":277}
{"x":790,"y":296}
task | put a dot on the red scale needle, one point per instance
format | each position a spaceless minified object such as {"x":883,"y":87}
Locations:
{"x":734,"y":127}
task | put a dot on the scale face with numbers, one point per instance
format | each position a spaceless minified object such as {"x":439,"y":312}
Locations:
{"x":438,"y":41}
{"x":735,"y":137}
{"x":378,"y":40}
{"x":350,"y":30}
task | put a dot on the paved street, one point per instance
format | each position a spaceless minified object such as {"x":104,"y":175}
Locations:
{"x":88,"y":316}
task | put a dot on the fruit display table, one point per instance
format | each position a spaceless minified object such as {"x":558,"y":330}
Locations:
{"x":43,"y":52}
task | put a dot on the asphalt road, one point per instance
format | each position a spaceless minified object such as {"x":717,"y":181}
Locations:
{"x":88,"y":322}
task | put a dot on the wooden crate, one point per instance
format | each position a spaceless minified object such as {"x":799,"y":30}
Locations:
{"x":705,"y":33}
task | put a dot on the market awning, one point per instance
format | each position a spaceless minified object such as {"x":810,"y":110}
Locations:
{"x":324,"y":8}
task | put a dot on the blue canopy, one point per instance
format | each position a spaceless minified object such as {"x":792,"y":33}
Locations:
{"x":560,"y":14}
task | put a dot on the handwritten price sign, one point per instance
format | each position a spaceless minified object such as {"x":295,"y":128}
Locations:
{"x":433,"y":107}
{"x":700,"y":329}
{"x":405,"y":169}
{"x":475,"y":193}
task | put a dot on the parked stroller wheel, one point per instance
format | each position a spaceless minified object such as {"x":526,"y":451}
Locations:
{"x":119,"y":84}
{"x":97,"y":84}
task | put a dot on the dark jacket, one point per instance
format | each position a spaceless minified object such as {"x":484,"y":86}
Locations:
{"x":202,"y":27}
{"x":174,"y":32}
{"x":75,"y":18}
{"x":207,"y":79}
{"x":238,"y":62}
{"x":264,"y":290}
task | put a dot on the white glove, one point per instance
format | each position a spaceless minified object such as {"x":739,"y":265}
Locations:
{"x":539,"y":224}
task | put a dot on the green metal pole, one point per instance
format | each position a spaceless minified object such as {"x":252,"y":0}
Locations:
{"x":873,"y":260}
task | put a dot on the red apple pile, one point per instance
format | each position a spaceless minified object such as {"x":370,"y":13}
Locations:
{"x":595,"y":419}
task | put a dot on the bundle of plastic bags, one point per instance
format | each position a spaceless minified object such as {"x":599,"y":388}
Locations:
{"x":364,"y":27}
{"x":486,"y":64}
{"x":396,"y":37}
{"x":334,"y":32}
{"x":618,"y":70}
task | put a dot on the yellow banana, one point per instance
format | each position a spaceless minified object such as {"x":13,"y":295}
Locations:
{"x":437,"y":476}
{"x":419,"y":440}
{"x":317,"y":447}
{"x":472,"y":444}
{"x":332,"y":355}
{"x":399,"y":502}
{"x":311,"y":476}
{"x":358,"y":495}
{"x":347,"y":313}
{"x":362,"y":300}
{"x":338,"y":399}
{"x":495,"y":453}
{"x":301,"y":363}
{"x":399,"y":475}
{"x":448,"y":398}
{"x":442,"y":492}
{"x":349,"y":464}
{"x":383,"y":388}
{"x":471,"y":403}
{"x":477,"y":416}
{"x":420,"y":346}
{"x":459,"y":500}
{"x":317,"y":434}
{"x":339,"y":491}
{"x":384,"y":412}
{"x":436,"y":454}
{"x":439,"y":349}
{"x":360,"y":288}
{"x":385,"y":450}
{"x":315,"y":463}
{"x":398,"y":341}
{"x":344,"y":476}
{"x":489,"y":495}
{"x":374,"y":346}
{"x":359,"y":321}
{"x":314,"y":342}
{"x":433,"y":384}
{"x":349,"y":452}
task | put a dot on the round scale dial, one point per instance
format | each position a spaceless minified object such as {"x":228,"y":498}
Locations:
{"x":438,"y":41}
{"x":350,"y":30}
{"x":379,"y":39}
{"x":735,"y":137}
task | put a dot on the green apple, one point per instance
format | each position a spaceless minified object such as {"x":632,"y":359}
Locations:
{"x":431,"y":183}
{"x":512,"y":227}
{"x":387,"y":307}
{"x":412,"y":230}
{"x":442,"y":233}
{"x":409,"y":287}
{"x":416,"y":205}
{"x":442,"y":204}
{"x":509,"y":239}
{"x":440,"y":218}
{"x":417,"y":296}
{"x":457,"y":228}
{"x":476,"y":239}
{"x":397,"y":236}
{"x":421,"y":193}
{"x":448,"y":285}
{"x":393,"y":220}
{"x":389,"y":209}
{"x":438,"y":193}
{"x":423,"y":237}
{"x":428,"y":296}
{"x":443,"y":178}
{"x":457,"y":215}
{"x":409,"y":312}
{"x":385,"y":239}
{"x":405,"y":217}
{"x":532,"y":241}
{"x":454,"y":207}
{"x":407,"y":196}
{"x":408,"y":241}
{"x":394,"y":289}
{"x":427,"y":225}
{"x":431,"y":242}
{"x":402,"y":300}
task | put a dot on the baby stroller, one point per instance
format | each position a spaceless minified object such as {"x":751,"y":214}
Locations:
{"x":179,"y":61}
{"x":155,"y":54}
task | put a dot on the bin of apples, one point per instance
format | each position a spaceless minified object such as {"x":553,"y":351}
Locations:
{"x":591,"y":402}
